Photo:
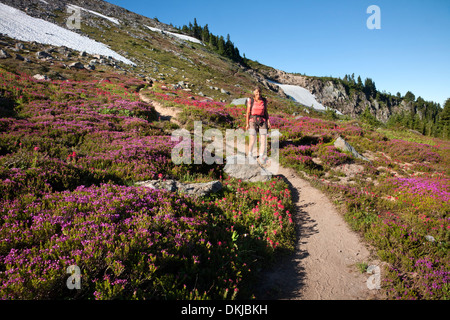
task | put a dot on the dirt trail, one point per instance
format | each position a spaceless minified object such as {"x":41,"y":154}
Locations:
{"x":165,"y":113}
{"x":323,"y":266}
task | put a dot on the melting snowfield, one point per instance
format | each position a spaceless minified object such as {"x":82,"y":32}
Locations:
{"x":302,"y":95}
{"x":113,"y":20}
{"x":17,"y":24}
{"x":180,"y":36}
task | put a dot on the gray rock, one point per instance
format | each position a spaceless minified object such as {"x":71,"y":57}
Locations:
{"x":240,"y":101}
{"x":19,"y":57}
{"x":41,"y":77}
{"x":224,"y":91}
{"x":76,"y":65}
{"x":430,"y":238}
{"x":194,"y":189}
{"x":4,"y":54}
{"x":43,"y":55}
{"x":246,"y":169}
{"x":201,"y":189}
{"x":343,"y":145}
{"x":20,"y":46}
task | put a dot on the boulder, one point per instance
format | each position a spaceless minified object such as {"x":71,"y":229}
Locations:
{"x":246,"y":169}
{"x":194,"y":189}
{"x":76,"y":65}
{"x":4,"y":54}
{"x":201,"y":189}
{"x":19,"y":57}
{"x":343,"y":145}
{"x":43,"y":55}
{"x":240,"y":101}
{"x":41,"y":77}
{"x":19,"y":46}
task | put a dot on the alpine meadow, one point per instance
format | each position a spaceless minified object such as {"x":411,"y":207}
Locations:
{"x":87,"y":176}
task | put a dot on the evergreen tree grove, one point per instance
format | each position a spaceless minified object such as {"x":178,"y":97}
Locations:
{"x":218,"y":44}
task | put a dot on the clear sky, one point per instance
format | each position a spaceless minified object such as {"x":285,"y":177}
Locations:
{"x":411,"y":51}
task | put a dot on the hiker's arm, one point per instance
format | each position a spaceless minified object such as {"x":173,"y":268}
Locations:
{"x":267,"y":118}
{"x":247,"y":117}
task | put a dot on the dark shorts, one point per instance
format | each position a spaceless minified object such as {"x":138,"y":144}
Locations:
{"x":257,"y":124}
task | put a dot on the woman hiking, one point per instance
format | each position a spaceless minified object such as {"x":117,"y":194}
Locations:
{"x":257,"y":120}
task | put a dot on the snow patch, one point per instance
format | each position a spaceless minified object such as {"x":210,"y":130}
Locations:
{"x":180,"y":36}
{"x":113,"y":20}
{"x":17,"y":24}
{"x":302,"y":95}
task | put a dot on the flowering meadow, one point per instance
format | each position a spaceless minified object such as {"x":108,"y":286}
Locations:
{"x":399,"y":201}
{"x":70,"y":154}
{"x":72,"y":151}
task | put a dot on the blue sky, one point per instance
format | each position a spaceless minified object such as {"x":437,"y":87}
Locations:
{"x":411,"y":51}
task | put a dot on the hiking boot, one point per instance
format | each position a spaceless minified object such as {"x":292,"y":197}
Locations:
{"x":252,"y":158}
{"x":263,"y":159}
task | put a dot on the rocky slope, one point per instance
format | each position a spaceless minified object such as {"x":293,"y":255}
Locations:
{"x":192,"y":66}
{"x":333,"y":94}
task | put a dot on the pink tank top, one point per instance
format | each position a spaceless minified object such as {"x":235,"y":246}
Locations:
{"x":258,"y":108}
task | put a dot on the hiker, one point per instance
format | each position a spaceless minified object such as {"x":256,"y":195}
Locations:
{"x":257,"y":120}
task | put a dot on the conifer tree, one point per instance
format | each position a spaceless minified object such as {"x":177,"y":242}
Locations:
{"x":205,"y":34}
{"x":360,"y":83}
{"x":445,"y":120}
{"x":221,"y":45}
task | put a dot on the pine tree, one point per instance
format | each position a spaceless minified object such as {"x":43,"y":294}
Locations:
{"x":196,"y":30}
{"x":221,"y":46}
{"x":205,"y":34}
{"x":229,"y":48}
{"x":445,"y":120}
{"x":360,"y":83}
{"x":213,"y":42}
{"x":369,"y":88}
{"x":409,"y":96}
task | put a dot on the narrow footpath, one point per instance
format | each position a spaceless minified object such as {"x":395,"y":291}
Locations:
{"x":324,"y":264}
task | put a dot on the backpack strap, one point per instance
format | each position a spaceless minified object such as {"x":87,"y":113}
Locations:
{"x":266,"y":115}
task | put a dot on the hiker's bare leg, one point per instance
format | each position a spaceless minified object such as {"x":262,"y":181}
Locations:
{"x":263,"y":142}
{"x":252,"y":140}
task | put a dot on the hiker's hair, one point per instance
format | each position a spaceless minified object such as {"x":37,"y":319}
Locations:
{"x":257,"y":88}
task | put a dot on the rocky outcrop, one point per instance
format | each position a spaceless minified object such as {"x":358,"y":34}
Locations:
{"x":4,"y":54}
{"x":194,"y":189}
{"x":238,"y":102}
{"x":246,"y":169}
{"x":333,"y":94}
{"x":343,"y":145}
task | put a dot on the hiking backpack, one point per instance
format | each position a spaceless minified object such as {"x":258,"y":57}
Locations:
{"x":265,"y":107}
